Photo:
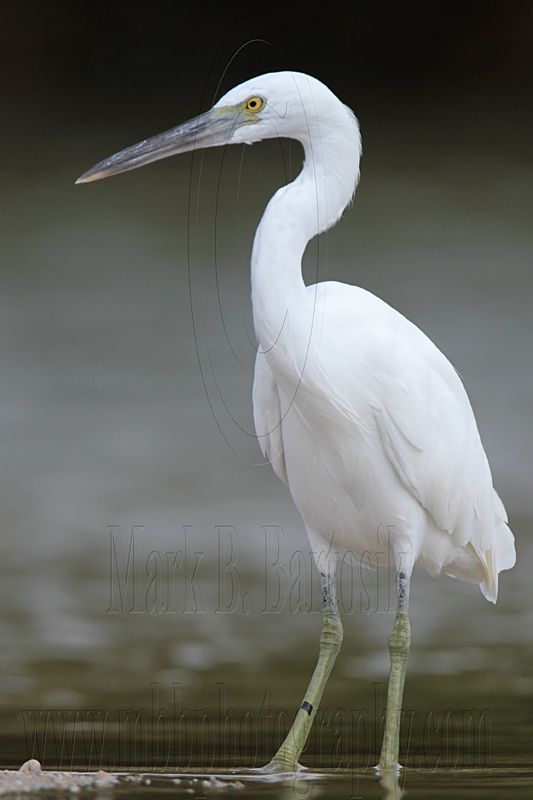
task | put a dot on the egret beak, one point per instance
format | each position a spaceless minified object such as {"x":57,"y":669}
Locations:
{"x":211,"y":129}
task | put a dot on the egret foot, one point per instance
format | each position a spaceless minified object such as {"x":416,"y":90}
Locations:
{"x":385,"y":771}
{"x":280,"y":766}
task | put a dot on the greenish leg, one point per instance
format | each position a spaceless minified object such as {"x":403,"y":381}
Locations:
{"x":399,"y":642}
{"x":286,"y":759}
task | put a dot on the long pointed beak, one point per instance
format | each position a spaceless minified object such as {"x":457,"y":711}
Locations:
{"x":212,"y":129}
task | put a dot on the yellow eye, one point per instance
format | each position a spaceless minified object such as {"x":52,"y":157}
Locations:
{"x":254,"y":104}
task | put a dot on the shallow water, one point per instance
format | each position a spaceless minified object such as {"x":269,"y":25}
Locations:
{"x":338,"y":784}
{"x":116,"y":443}
{"x":348,"y":785}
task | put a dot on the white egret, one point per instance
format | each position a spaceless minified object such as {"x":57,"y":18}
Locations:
{"x":358,"y":411}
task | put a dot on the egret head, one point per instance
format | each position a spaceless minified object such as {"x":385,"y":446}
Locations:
{"x":277,"y":104}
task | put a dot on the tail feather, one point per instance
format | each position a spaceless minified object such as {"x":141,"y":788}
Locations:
{"x":498,"y":558}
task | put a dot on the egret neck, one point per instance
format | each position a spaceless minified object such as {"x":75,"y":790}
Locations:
{"x":297,"y":212}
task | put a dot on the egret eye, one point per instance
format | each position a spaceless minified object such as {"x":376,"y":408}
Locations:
{"x":254,"y":104}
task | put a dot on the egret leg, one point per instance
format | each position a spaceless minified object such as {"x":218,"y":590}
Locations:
{"x":399,"y":642}
{"x":286,"y":759}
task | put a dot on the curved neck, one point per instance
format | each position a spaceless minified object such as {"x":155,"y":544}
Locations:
{"x":312,"y":203}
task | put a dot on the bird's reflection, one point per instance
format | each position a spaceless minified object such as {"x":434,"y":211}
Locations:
{"x":389,"y":780}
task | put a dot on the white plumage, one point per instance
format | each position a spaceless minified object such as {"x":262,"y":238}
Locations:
{"x":357,"y":410}
{"x":391,"y":444}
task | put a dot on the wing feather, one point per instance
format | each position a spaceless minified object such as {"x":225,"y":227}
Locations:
{"x":426,"y":424}
{"x":267,"y":416}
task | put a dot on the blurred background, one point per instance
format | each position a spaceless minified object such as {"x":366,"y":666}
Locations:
{"x":150,"y":561}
